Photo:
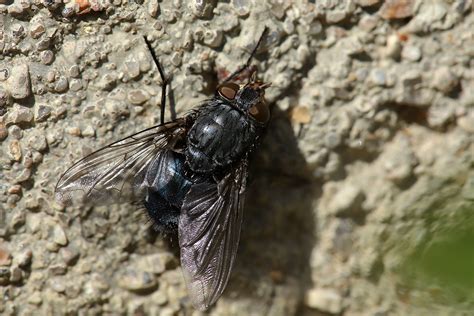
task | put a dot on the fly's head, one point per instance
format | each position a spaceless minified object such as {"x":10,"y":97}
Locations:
{"x":248,"y":98}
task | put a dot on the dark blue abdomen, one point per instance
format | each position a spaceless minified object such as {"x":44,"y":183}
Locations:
{"x":167,"y":187}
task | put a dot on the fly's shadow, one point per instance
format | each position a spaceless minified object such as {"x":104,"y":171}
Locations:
{"x":278,"y":229}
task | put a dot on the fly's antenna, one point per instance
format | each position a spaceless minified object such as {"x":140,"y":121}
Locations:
{"x":163,"y":79}
{"x":249,"y":60}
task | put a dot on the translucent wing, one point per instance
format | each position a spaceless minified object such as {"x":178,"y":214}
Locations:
{"x":209,"y":232}
{"x":117,"y":172}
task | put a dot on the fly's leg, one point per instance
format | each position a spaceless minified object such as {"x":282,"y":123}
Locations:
{"x":249,"y":60}
{"x":163,"y":79}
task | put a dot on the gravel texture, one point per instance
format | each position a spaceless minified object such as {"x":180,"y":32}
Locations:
{"x":362,"y":194}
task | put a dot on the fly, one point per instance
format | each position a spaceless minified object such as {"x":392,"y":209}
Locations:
{"x":189,"y":173}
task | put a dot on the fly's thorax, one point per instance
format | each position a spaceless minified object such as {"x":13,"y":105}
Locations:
{"x":220,"y":136}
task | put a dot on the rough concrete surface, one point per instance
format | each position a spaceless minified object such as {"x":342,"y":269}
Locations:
{"x":362,"y":195}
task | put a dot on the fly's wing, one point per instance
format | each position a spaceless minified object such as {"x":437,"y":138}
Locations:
{"x":118,"y":172}
{"x":209,"y":232}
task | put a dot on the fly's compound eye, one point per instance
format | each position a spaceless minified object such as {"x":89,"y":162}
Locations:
{"x":228,"y":90}
{"x":260,"y":112}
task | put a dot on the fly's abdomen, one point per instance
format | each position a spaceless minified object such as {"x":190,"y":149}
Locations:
{"x":218,"y":138}
{"x":167,"y":187}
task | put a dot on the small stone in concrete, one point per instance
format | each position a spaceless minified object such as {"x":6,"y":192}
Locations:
{"x":59,"y":236}
{"x":445,"y":80}
{"x":325,"y":300}
{"x":18,"y":84}
{"x":5,"y":257}
{"x":42,"y":113}
{"x":138,"y":96}
{"x":19,"y":114}
{"x":397,"y":9}
{"x":134,"y":280}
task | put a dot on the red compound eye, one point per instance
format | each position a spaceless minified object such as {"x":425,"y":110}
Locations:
{"x":260,"y":112}
{"x":228,"y":90}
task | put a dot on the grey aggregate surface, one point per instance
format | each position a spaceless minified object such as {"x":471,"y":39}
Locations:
{"x":362,"y":193}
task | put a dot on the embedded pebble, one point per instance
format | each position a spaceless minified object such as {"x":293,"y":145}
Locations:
{"x":5,"y":257}
{"x":107,"y":82}
{"x":14,"y":150}
{"x":14,"y":189}
{"x":332,"y":140}
{"x":59,"y":236}
{"x":138,"y":96}
{"x":35,"y":298}
{"x":430,"y":16}
{"x":203,"y":8}
{"x":465,"y":122}
{"x":343,"y":200}
{"x":4,"y":74}
{"x":325,"y":300}
{"x":3,"y":131}
{"x":70,"y":255}
{"x":333,"y":17}
{"x":278,"y":8}
{"x":439,"y":115}
{"x":51,"y":76}
{"x":368,"y":23}
{"x":18,"y":84}
{"x":397,"y":9}
{"x":242,"y":7}
{"x":98,"y":283}
{"x":132,"y":68}
{"x":157,"y":263}
{"x":23,"y":259}
{"x":19,"y":115}
{"x":42,"y":112}
{"x":22,"y":174}
{"x":47,"y":57}
{"x":16,"y":275}
{"x":88,"y":131}
{"x":444,"y":80}
{"x":76,"y":85}
{"x":176,"y":59}
{"x":143,"y":62}
{"x":411,"y":78}
{"x":399,"y":161}
{"x":213,"y":38}
{"x":153,"y":8}
{"x":37,"y":141}
{"x":34,"y":223}
{"x":58,"y":269}
{"x":57,"y":284}
{"x":74,"y":131}
{"x":411,"y":53}
{"x":74,"y":71}
{"x":18,"y":218}
{"x":15,"y":132}
{"x":137,"y":281}
{"x":301,"y":115}
{"x":36,"y":30}
{"x":61,"y":85}
{"x":43,"y":44}
{"x":378,"y":77}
